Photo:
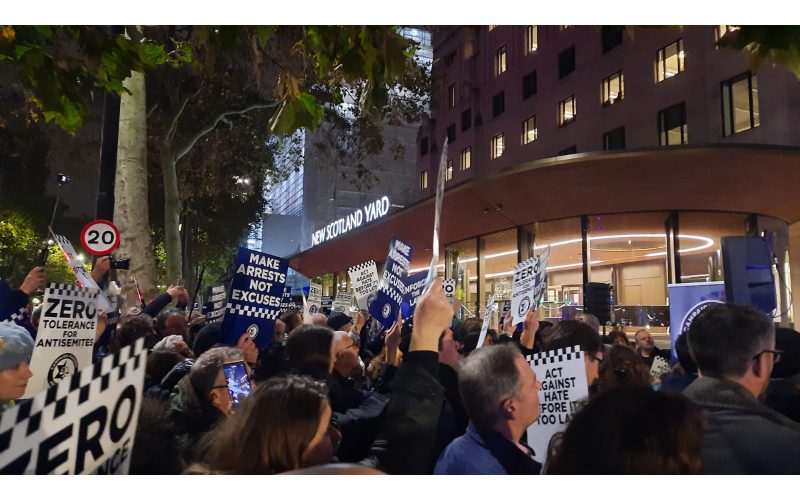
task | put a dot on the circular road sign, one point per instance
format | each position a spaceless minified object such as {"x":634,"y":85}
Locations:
{"x":100,"y":237}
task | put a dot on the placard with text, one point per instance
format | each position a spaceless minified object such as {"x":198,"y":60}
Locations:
{"x":386,"y":305}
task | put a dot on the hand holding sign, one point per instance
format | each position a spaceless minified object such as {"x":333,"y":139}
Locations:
{"x":432,"y":316}
{"x":35,"y":280}
{"x":508,"y":326}
{"x":529,"y":329}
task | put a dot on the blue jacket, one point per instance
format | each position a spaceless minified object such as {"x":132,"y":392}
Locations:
{"x":485,"y":452}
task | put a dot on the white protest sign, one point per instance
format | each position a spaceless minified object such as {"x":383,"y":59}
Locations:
{"x":441,"y":178}
{"x":365,"y":281}
{"x":84,"y":425}
{"x":315,"y":298}
{"x":529,"y":285}
{"x":342,"y":302}
{"x":450,"y":290}
{"x":486,"y":319}
{"x":562,"y":374}
{"x":306,"y":311}
{"x":66,"y":335}
{"x":660,"y":367}
{"x":81,"y":273}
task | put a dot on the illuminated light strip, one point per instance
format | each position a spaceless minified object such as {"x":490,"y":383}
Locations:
{"x":550,"y":268}
{"x":412,"y":271}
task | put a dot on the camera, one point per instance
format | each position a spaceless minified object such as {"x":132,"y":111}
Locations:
{"x":62,"y":180}
{"x":123,"y":264}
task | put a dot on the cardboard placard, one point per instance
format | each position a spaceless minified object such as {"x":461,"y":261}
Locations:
{"x":414,"y":286}
{"x":65,"y":340}
{"x":85,"y":424}
{"x":216,"y":299}
{"x":486,"y":319}
{"x":530,"y":284}
{"x":365,"y":281}
{"x":255,"y":299}
{"x":342,"y":303}
{"x":562,"y":373}
{"x":386,"y":305}
{"x":450,"y":290}
{"x":315,"y":298}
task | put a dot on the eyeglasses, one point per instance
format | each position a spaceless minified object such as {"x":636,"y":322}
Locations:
{"x":348,"y":347}
{"x":593,"y":356}
{"x":249,"y":377}
{"x":776,"y":354}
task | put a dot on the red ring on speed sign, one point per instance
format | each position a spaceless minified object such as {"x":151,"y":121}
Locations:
{"x":94,"y":237}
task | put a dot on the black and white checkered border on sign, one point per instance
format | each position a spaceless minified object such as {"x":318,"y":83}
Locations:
{"x":361,"y":267}
{"x":65,"y":290}
{"x":253,"y":311}
{"x":54,"y":399}
{"x":524,"y":264}
{"x":556,"y":356}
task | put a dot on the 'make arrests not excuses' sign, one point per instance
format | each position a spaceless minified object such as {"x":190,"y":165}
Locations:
{"x":65,"y":340}
{"x":386,"y":305}
{"x":255,"y":298}
{"x":365,"y":281}
{"x":562,"y":373}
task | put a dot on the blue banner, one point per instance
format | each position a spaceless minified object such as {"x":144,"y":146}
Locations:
{"x":386,"y":305}
{"x":255,"y":297}
{"x":686,"y":301}
{"x":414,"y":285}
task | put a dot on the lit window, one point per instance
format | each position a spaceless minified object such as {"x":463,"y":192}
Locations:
{"x":466,"y":159}
{"x":724,"y":29}
{"x":670,"y":61}
{"x":672,"y":125}
{"x":531,"y":39}
{"x":451,"y":96}
{"x":614,"y":139}
{"x":613,"y":88}
{"x":529,"y":132}
{"x":740,"y":104}
{"x":566,"y":111}
{"x":564,"y":26}
{"x":500,"y":61}
{"x":423,"y":180}
{"x":449,"y":172}
{"x":492,"y":26}
{"x":498,"y":145}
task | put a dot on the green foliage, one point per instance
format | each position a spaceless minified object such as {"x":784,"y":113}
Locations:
{"x":779,"y":44}
{"x":19,"y":248}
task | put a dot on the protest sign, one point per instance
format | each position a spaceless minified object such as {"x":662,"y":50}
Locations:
{"x":386,"y":305}
{"x":82,"y":275}
{"x":326,"y":303}
{"x":306,"y":311}
{"x":365,"y":281}
{"x":562,"y":373}
{"x":216,"y":299}
{"x":506,"y":306}
{"x":255,"y":298}
{"x":486,"y":318}
{"x":315,"y":298}
{"x":414,"y":286}
{"x":450,"y":290}
{"x":437,"y":214}
{"x":529,"y":285}
{"x":342,"y":303}
{"x":64,"y":342}
{"x":686,"y":301}
{"x":286,"y":300}
{"x":85,"y":424}
{"x":660,"y":367}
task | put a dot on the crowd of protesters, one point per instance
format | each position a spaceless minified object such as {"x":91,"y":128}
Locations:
{"x":422,"y":398}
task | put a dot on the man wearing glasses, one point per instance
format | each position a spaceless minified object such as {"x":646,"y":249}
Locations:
{"x":734,"y":348}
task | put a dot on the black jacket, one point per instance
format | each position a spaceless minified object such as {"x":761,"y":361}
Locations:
{"x":190,"y":418}
{"x":743,"y":436}
{"x":419,"y":421}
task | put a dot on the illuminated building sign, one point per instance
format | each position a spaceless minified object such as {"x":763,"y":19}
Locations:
{"x":369,"y":213}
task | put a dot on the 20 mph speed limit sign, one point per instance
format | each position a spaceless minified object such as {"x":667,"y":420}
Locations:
{"x":100,"y":237}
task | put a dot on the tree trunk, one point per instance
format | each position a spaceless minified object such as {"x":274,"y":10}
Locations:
{"x":130,"y":205}
{"x":172,"y":213}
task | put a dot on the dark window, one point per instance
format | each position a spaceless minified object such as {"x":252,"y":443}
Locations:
{"x":740,"y":104}
{"x":451,"y":133}
{"x":498,"y":104}
{"x":566,"y":62}
{"x":569,"y":151}
{"x":466,"y":119}
{"x":612,"y":36}
{"x":423,"y":146}
{"x":529,"y":85}
{"x":450,"y":59}
{"x":672,"y":125}
{"x":614,"y":139}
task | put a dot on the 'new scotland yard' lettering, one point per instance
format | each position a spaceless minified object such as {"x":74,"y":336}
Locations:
{"x":369,"y":213}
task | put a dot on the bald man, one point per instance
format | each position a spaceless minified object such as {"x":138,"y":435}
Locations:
{"x":319,"y":319}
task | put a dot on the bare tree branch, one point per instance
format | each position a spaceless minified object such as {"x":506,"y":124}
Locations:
{"x":211,"y":125}
{"x":173,"y":126}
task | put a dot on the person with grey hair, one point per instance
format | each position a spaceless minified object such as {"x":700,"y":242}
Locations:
{"x":16,"y":347}
{"x":501,"y":397}
{"x":589,"y":319}
{"x":734,"y":348}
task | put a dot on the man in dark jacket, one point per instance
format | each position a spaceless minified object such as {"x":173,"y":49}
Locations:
{"x":501,"y":396}
{"x":734,"y":348}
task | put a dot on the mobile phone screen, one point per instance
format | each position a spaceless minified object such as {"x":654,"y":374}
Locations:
{"x":238,"y":381}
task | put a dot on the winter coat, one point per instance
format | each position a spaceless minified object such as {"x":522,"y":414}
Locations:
{"x":485,"y":452}
{"x":743,"y":436}
{"x":190,"y":418}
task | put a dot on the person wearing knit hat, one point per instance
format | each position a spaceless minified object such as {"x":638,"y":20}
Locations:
{"x":16,"y":347}
{"x":340,"y":321}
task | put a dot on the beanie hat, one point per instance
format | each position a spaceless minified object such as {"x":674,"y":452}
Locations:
{"x":206,"y":338}
{"x":337,"y":320}
{"x":16,"y":345}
